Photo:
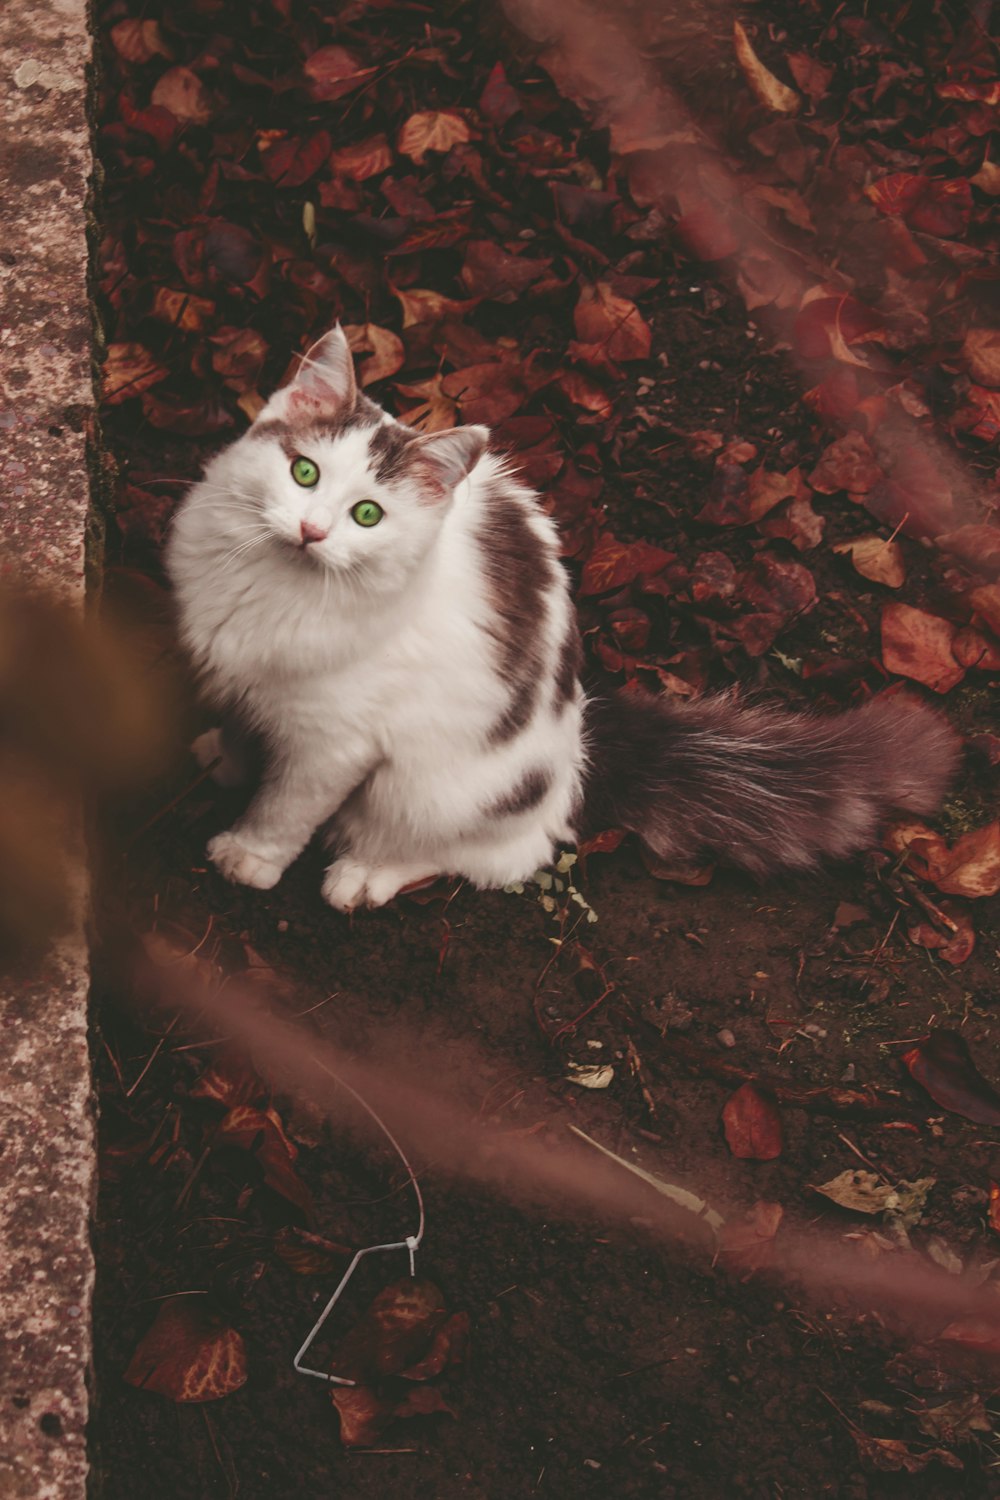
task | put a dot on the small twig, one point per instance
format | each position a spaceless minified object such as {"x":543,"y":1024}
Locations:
{"x":185,"y":791}
{"x":152,"y":1058}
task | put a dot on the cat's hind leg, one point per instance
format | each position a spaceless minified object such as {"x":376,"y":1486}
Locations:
{"x":225,"y":755}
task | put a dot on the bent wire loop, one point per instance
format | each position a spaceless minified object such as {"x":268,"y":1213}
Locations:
{"x":411,"y":1244}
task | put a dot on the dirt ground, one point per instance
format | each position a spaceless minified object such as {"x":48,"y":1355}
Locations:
{"x":602,"y":1357}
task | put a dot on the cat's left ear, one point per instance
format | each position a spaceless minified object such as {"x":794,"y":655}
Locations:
{"x":447,"y":457}
{"x":323,"y":384}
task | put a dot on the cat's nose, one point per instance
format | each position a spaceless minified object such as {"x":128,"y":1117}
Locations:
{"x":311,"y":533}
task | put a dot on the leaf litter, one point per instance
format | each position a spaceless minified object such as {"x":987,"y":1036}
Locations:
{"x":708,"y":548}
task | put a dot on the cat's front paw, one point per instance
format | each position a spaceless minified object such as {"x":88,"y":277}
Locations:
{"x":242,"y":865}
{"x":345,"y":884}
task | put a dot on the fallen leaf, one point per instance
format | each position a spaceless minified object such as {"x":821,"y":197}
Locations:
{"x":980,"y":1334}
{"x":752,"y":1125}
{"x":499,"y":101}
{"x":290,"y":161}
{"x":613,"y":563}
{"x":952,"y":935}
{"x":975,"y":651}
{"x":876,"y":558}
{"x":182,"y":309}
{"x":981,"y":351}
{"x":139,"y":41}
{"x":684,"y":1199}
{"x":612,"y":323}
{"x":332,"y":72}
{"x":767,"y":89}
{"x":182,"y":92}
{"x":587,"y":1076}
{"x":942,"y":1065}
{"x":847,"y":464}
{"x":749,"y":1243}
{"x":189,"y":1354}
{"x":128,"y":370}
{"x":394,"y":1333}
{"x":238,"y":357}
{"x":917,"y":645}
{"x":383,"y":347}
{"x":435,"y":411}
{"x":955,"y":1421}
{"x":986,"y":602}
{"x":363,"y":1415}
{"x":812,"y":76}
{"x":432,"y":130}
{"x":490,"y":271}
{"x":261,"y":1133}
{"x":448,"y":1347}
{"x":367,"y":158}
{"x":994,"y":1209}
{"x":891,"y":1456}
{"x":421,"y":305}
{"x":861,"y":1192}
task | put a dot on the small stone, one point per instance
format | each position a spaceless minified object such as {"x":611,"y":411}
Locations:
{"x":849,"y":1074}
{"x":27,"y":73}
{"x":591,"y":1463}
{"x":811,"y":1029}
{"x":725,"y":1037}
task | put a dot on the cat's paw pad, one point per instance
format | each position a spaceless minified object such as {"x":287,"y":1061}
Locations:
{"x":242,"y":865}
{"x":210,"y":748}
{"x":345,"y":885}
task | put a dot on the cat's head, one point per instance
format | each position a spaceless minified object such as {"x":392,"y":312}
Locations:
{"x":341,"y":487}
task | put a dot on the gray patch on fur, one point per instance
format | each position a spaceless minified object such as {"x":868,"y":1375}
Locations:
{"x":528,"y":792}
{"x":568,"y":667}
{"x":388,"y":448}
{"x":519,"y":570}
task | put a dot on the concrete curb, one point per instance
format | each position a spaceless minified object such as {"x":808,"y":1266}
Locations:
{"x":46,"y":403}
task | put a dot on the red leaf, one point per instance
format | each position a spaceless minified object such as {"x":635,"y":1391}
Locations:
{"x":601,"y":843}
{"x":396,"y":1331}
{"x":128,"y":370}
{"x":364,"y":159}
{"x":333,"y":72}
{"x":363,"y":1415}
{"x":499,"y":101}
{"x":448,"y":1348}
{"x":492,"y":272}
{"x":139,"y":41}
{"x":918,"y":645}
{"x":182,"y":93}
{"x":613,"y":563}
{"x":847,"y":464}
{"x":993,"y":1215}
{"x":830,"y":327}
{"x":942,"y":1065}
{"x":292,"y":161}
{"x":189,"y":1354}
{"x":752,"y":1125}
{"x":611,"y":322}
{"x":974,"y":1333}
{"x":749,"y":1244}
{"x":261,"y":1132}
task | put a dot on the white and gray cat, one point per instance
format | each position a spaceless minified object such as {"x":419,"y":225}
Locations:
{"x":386,"y":613}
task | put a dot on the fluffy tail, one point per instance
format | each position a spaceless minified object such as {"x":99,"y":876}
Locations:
{"x":758,"y":787}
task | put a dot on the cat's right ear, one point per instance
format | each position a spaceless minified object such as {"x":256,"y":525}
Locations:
{"x":323,"y":385}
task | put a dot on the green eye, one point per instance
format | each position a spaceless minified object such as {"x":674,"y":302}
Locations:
{"x":367,"y":513}
{"x":305,"y":472}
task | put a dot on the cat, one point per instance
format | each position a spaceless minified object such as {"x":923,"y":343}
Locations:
{"x":386,"y":611}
